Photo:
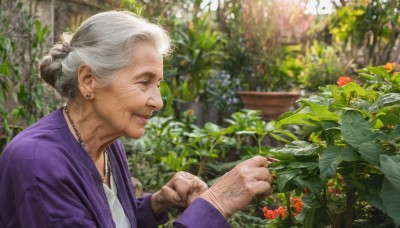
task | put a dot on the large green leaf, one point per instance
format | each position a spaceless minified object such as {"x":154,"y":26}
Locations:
{"x":298,"y":148}
{"x":391,"y":201}
{"x":328,"y":162}
{"x":355,"y":128}
{"x":349,"y":154}
{"x":297,"y":118}
{"x":370,"y":151}
{"x":357,"y":133}
{"x":390,"y":166}
{"x":388,"y":99}
{"x":285,"y":176}
{"x":322,"y":112}
{"x":353,"y":87}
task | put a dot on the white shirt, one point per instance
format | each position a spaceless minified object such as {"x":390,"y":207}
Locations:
{"x":117,"y":212}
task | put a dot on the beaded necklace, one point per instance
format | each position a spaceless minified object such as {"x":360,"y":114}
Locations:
{"x":106,"y":169}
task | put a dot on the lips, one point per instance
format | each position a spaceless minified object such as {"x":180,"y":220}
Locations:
{"x":143,"y":117}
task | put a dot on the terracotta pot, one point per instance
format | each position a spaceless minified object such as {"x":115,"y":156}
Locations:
{"x":271,"y":104}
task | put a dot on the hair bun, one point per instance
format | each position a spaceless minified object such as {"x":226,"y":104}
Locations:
{"x":50,"y":66}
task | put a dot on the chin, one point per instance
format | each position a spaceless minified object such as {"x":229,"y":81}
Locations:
{"x":136,"y":134}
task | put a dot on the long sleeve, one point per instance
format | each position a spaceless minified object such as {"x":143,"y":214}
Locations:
{"x":145,"y":216}
{"x":201,"y":214}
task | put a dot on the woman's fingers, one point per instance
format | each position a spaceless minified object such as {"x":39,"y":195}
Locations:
{"x":257,"y":161}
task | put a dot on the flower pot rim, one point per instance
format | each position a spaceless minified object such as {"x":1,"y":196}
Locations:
{"x":273,"y":93}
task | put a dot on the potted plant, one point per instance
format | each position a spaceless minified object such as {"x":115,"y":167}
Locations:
{"x":263,"y":55}
{"x":197,"y":57}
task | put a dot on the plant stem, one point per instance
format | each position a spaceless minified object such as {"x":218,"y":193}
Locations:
{"x":350,"y":200}
{"x":288,"y":204}
{"x":201,"y":167}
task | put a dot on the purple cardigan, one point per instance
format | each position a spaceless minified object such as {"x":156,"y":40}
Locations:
{"x":47,"y":179}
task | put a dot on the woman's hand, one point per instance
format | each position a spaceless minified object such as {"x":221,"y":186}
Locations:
{"x":234,"y":190}
{"x":180,"y":191}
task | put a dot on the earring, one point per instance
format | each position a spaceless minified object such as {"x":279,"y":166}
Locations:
{"x":88,"y":96}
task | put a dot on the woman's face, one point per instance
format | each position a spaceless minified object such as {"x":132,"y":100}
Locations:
{"x":134,"y":94}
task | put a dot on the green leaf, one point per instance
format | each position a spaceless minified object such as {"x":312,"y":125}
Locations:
{"x":379,"y":71}
{"x":328,"y":162}
{"x":297,"y":118}
{"x":353,"y":87}
{"x":314,"y":184}
{"x":298,"y":148}
{"x":310,"y":206}
{"x":322,"y":112}
{"x":246,"y":132}
{"x":389,"y":99}
{"x":370,"y":151}
{"x":366,"y":76}
{"x":349,"y":154}
{"x":389,"y":119}
{"x":354,"y":128}
{"x":286,"y":176}
{"x":303,"y":165}
{"x":395,"y":133}
{"x":390,"y":197}
{"x":390,"y":166}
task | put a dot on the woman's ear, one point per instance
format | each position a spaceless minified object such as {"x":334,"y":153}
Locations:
{"x":86,"y":81}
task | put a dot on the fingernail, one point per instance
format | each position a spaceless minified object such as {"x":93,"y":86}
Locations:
{"x":177,"y":198}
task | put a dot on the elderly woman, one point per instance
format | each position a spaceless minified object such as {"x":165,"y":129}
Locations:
{"x":70,"y":170}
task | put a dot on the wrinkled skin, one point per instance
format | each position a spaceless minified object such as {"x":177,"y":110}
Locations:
{"x":238,"y":187}
{"x":180,"y":191}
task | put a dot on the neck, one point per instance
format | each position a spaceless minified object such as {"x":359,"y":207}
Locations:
{"x":88,"y":129}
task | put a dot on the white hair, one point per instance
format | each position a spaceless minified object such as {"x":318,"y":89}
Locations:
{"x":104,"y":42}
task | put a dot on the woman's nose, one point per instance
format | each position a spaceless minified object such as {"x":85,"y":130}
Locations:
{"x":155,"y":100}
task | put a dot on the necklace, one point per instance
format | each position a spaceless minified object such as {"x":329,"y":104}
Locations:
{"x":106,"y":169}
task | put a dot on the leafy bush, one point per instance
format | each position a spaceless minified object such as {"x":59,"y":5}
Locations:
{"x":23,"y":98}
{"x":348,"y":158}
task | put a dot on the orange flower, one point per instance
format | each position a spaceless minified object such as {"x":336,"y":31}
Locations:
{"x":389,"y":67}
{"x":396,"y":73}
{"x":282,"y":212}
{"x":297,"y":204}
{"x":343,"y":80}
{"x":273,"y":214}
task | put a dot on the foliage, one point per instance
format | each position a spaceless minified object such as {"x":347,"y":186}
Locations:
{"x":323,"y":64}
{"x":369,"y":29}
{"x":198,"y":56}
{"x":259,"y":32}
{"x":23,"y":99}
{"x":351,"y":133}
{"x":222,"y":91}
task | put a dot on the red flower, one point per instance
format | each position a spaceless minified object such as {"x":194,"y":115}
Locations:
{"x":282,"y":212}
{"x":189,"y":113}
{"x":343,"y":80}
{"x":273,"y":214}
{"x":297,"y":204}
